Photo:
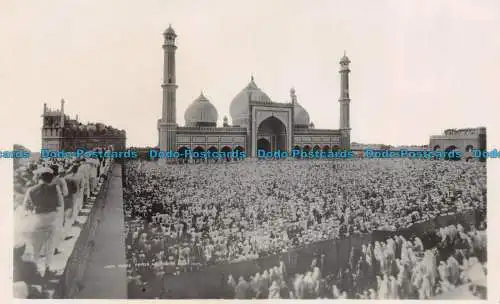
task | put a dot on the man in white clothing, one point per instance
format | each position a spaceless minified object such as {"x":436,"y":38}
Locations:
{"x":93,"y":163}
{"x":84,"y":171}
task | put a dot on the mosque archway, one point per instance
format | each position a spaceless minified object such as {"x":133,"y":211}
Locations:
{"x":263,"y":144}
{"x":449,"y":153}
{"x":238,"y":153}
{"x":213,"y":150}
{"x":227,"y":150}
{"x":197,"y":154}
{"x":274,"y":131}
{"x":296,"y":151}
{"x":182,"y":154}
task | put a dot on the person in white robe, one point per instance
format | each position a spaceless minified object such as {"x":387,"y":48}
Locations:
{"x":84,"y":171}
{"x":298,"y":286}
{"x":274,"y":291}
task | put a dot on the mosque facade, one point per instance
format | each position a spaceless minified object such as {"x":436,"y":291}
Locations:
{"x":258,"y":122}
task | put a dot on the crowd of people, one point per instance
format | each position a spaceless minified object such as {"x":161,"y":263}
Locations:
{"x":48,"y":195}
{"x":186,"y":217}
{"x":390,"y":270}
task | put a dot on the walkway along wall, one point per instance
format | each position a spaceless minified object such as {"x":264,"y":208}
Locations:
{"x":70,"y":282}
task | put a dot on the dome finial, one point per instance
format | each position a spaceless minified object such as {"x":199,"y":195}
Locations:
{"x":345,"y":60}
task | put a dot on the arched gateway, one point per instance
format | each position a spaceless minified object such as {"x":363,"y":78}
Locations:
{"x":271,"y":135}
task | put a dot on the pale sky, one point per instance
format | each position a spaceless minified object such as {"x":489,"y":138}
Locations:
{"x":418,"y":67}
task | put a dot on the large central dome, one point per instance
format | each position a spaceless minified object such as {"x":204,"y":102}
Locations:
{"x":240,"y":105}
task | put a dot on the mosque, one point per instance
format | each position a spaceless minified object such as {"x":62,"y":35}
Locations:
{"x":258,"y":122}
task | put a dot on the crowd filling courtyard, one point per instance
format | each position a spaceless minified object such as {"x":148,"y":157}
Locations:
{"x":187,"y":218}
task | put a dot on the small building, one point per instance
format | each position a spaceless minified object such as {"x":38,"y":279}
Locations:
{"x":462,"y":140}
{"x":60,"y":132}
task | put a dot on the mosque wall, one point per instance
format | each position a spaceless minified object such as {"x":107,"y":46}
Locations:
{"x":311,"y":141}
{"x":219,"y":138}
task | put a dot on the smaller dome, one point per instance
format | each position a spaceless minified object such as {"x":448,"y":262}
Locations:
{"x":169,"y":31}
{"x":201,"y":112}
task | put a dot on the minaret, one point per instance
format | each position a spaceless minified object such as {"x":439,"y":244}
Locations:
{"x":167,"y":124}
{"x":293,"y":99}
{"x":344,"y":100}
{"x":62,"y":113}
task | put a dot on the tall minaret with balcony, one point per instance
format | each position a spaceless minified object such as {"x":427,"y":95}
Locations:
{"x":345,"y":127}
{"x":167,"y":125}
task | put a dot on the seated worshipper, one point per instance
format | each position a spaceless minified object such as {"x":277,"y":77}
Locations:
{"x":444,"y":275}
{"x":45,"y":202}
{"x":255,"y":285}
{"x":242,"y":289}
{"x":274,"y":291}
{"x":182,"y":262}
{"x":477,"y":277}
{"x":170,"y":267}
{"x":231,"y":285}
